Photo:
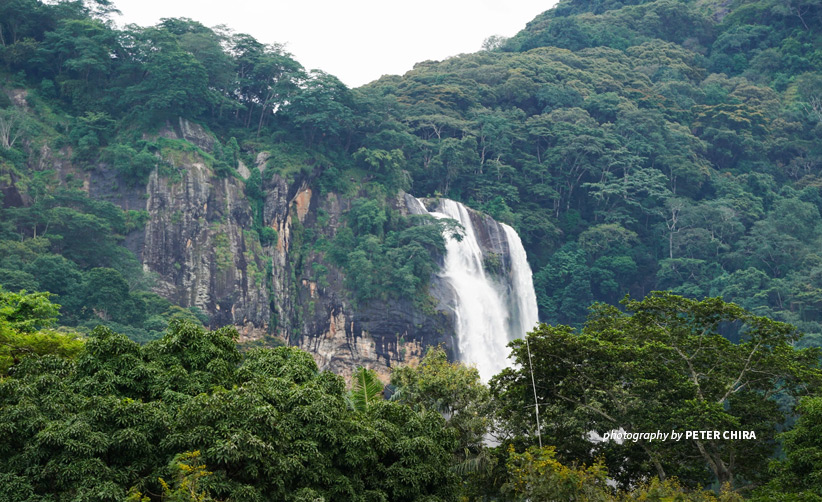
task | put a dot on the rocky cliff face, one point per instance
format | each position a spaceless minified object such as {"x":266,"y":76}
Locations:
{"x":199,"y":246}
{"x":316,"y":315}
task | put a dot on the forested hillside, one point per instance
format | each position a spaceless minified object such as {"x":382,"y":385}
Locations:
{"x":648,"y":145}
{"x":667,"y":145}
{"x":158,"y":181}
{"x":160,"y":173}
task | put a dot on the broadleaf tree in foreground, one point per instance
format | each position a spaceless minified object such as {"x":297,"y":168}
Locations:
{"x":266,"y":425}
{"x":663,"y":364}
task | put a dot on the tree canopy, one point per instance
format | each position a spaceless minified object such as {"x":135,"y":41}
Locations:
{"x":266,"y":424}
{"x":665,"y":364}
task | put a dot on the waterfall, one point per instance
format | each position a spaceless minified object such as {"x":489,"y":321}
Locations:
{"x":522,"y":284}
{"x":490,"y":307}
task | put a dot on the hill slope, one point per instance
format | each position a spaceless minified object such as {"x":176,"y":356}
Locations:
{"x":179,"y":171}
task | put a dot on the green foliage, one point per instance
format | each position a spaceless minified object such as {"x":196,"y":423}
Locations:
{"x":135,"y":166}
{"x":387,"y":166}
{"x":268,"y":236}
{"x":24,"y":322}
{"x":671,"y":489}
{"x":27,"y":312}
{"x":387,"y":256}
{"x":90,"y":132}
{"x":798,"y":474}
{"x":173,"y":82}
{"x":452,"y":389}
{"x":366,"y":389}
{"x":188,"y":476}
{"x":256,"y":197}
{"x":14,"y":126}
{"x":323,"y":110}
{"x":662,"y":365}
{"x":367,"y":217}
{"x":266,"y":424}
{"x":563,"y":286}
{"x":536,"y":474}
{"x":106,"y":294}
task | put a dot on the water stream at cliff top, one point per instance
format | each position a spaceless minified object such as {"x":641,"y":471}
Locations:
{"x":489,"y":309}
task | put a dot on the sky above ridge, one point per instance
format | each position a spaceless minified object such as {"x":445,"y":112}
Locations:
{"x":356,"y":40}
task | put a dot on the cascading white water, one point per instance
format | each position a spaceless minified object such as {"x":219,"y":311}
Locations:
{"x":523,"y":284}
{"x":489,"y":311}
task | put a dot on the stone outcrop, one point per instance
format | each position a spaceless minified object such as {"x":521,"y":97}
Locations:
{"x":197,"y":243}
{"x":200,"y":248}
{"x":318,"y":317}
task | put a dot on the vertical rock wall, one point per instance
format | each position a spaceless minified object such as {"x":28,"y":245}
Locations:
{"x":199,"y":246}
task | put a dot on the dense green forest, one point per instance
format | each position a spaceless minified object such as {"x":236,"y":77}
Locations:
{"x":668,"y":145}
{"x":189,"y":417}
{"x":635,"y":146}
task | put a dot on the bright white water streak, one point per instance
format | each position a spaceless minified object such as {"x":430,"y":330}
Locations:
{"x":489,"y":312}
{"x":523,"y":284}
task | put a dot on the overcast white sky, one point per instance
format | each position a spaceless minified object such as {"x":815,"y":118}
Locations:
{"x":356,"y":40}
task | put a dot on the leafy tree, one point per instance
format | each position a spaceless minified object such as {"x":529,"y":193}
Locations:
{"x":25,"y":320}
{"x":206,"y":45}
{"x":171,"y":83}
{"x":79,"y":52}
{"x":106,"y":295}
{"x":17,"y":280}
{"x":27,"y":312}
{"x":563,"y":285}
{"x":367,"y":217}
{"x":799,"y":472}
{"x":267,"y":77}
{"x":266,"y":424}
{"x":662,"y":365}
{"x":136,"y":166}
{"x":56,"y":274}
{"x":452,"y":389}
{"x":385,"y":256}
{"x":387,"y":165}
{"x":536,"y":474}
{"x":672,"y":489}
{"x":188,"y":475}
{"x":13,"y":126}
{"x":22,"y":19}
{"x":323,"y":110}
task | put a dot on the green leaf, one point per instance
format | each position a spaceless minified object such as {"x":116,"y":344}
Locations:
{"x":366,"y":389}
